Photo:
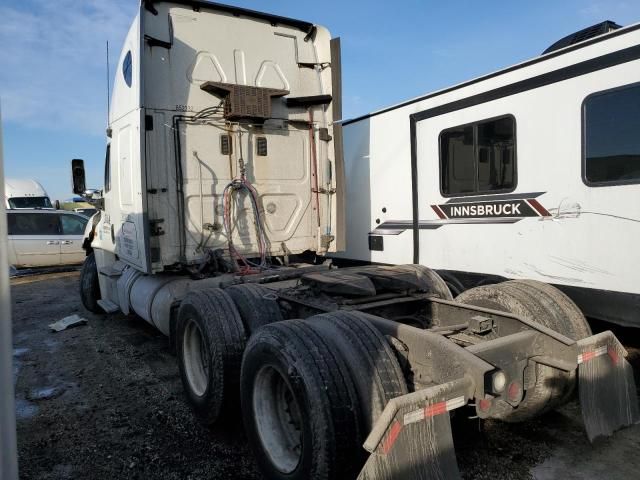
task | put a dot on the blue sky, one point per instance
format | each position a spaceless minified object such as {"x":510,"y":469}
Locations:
{"x":53,"y":78}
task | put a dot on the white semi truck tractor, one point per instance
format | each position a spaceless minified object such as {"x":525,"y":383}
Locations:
{"x":223,"y":193}
{"x":22,"y":193}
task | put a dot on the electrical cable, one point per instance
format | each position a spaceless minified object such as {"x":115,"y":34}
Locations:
{"x":176,"y":121}
{"x":236,"y":186}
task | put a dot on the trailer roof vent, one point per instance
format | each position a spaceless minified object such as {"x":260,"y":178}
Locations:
{"x":584,"y":34}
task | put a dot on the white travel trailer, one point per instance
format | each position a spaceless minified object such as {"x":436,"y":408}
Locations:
{"x":223,"y":183}
{"x":25,"y":193}
{"x":531,"y":172}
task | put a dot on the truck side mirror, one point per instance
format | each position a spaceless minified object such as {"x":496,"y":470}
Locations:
{"x":78,"y":176}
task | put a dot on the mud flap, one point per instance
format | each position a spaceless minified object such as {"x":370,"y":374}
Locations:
{"x":412,"y":438}
{"x":606,"y":386}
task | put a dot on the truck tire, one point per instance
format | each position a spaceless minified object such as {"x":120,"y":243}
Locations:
{"x":568,"y":319}
{"x":210,"y":342}
{"x":257,"y":305}
{"x":299,"y":405}
{"x":437,"y":285}
{"x":374,"y":367}
{"x":455,"y":286}
{"x":89,"y":285}
{"x":547,"y":306}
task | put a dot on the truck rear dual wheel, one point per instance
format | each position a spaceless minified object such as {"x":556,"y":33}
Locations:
{"x":303,"y":396}
{"x":436,"y":283}
{"x":375,"y":371}
{"x":548,"y":306}
{"x":257,"y":305}
{"x":89,"y":285}
{"x":210,"y":342}
{"x":454,"y":285}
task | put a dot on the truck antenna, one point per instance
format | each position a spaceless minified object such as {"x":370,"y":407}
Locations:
{"x":108,"y":85}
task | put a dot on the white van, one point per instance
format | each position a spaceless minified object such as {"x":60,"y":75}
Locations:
{"x":45,"y":238}
{"x":25,"y":193}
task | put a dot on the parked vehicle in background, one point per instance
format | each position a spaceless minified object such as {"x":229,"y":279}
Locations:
{"x":77,"y":205}
{"x":86,"y":205}
{"x":25,"y":193}
{"x":45,"y":238}
{"x":87,"y":212}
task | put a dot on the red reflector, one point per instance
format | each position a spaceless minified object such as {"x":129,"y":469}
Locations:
{"x":613,"y":355}
{"x":514,"y":391}
{"x":484,"y":404}
{"x":435,"y":409}
{"x":396,"y":428}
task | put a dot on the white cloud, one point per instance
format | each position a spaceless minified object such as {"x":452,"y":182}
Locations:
{"x":53,"y":61}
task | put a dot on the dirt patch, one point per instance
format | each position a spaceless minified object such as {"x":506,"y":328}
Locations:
{"x":104,"y":401}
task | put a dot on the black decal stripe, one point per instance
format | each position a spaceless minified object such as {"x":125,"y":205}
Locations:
{"x":513,"y":68}
{"x":572,"y":71}
{"x":396,"y":227}
{"x":493,"y":198}
{"x":549,"y":78}
{"x":395,"y":224}
{"x":387,"y":232}
{"x":500,"y":209}
{"x":428,"y":224}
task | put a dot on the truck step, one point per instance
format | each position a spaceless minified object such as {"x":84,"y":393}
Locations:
{"x":110,"y":271}
{"x":108,"y":306}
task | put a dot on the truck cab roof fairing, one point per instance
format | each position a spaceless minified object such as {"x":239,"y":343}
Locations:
{"x":237,"y":11}
{"x":126,"y":87}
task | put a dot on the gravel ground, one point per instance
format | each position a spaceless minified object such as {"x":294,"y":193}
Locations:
{"x":104,"y":401}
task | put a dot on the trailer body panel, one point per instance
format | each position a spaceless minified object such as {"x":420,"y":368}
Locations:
{"x":548,"y":219}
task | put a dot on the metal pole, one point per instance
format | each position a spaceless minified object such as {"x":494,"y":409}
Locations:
{"x":8,"y":457}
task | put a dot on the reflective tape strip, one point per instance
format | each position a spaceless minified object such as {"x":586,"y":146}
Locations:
{"x":613,"y":355}
{"x":586,"y":356}
{"x":414,"y":417}
{"x":432,"y":410}
{"x":456,"y":403}
{"x":435,"y":409}
{"x":396,"y":428}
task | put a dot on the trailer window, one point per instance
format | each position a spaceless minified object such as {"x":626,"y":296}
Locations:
{"x":478,"y":158}
{"x":612,"y":137}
